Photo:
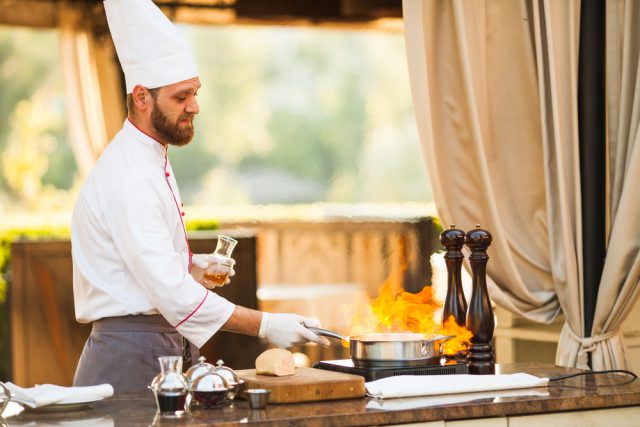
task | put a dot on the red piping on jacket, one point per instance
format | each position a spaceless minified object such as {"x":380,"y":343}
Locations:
{"x":175,"y":200}
{"x":206,"y":294}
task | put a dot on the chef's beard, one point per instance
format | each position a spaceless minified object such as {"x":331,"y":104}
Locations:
{"x":172,"y":132}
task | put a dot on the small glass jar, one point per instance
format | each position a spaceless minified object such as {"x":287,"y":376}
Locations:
{"x":208,"y":390}
{"x":230,"y":377}
{"x":199,"y":369}
{"x":170,"y":387}
{"x":219,"y":262}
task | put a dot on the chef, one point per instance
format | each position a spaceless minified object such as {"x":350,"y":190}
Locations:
{"x":134,"y":275}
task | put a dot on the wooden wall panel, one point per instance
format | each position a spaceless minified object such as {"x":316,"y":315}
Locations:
{"x":46,"y":340}
{"x":364,"y":253}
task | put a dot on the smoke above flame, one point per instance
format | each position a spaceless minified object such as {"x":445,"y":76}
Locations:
{"x":395,"y":310}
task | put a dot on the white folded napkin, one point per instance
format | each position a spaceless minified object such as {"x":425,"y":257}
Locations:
{"x":49,"y":394}
{"x":449,"y":399}
{"x":431,"y":385}
{"x":82,"y":422}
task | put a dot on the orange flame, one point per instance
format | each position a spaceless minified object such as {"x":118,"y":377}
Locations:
{"x":462,"y":336}
{"x":395,"y":310}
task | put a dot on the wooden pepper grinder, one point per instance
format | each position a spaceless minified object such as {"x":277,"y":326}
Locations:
{"x":480,"y":359}
{"x":454,"y":304}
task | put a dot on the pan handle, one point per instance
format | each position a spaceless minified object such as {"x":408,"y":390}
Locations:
{"x":327,"y":333}
{"x":442,"y":338}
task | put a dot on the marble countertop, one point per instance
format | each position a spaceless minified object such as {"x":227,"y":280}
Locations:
{"x":585,"y":392}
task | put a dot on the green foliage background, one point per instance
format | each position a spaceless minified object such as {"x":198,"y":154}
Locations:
{"x":287,"y":116}
{"x":326,"y":112}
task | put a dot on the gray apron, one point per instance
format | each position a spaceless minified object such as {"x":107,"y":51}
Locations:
{"x":123,"y":351}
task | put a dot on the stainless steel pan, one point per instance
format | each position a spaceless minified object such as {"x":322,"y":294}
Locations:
{"x":390,"y":349}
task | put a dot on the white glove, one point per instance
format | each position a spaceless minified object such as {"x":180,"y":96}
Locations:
{"x":287,"y":329}
{"x":205,"y":268}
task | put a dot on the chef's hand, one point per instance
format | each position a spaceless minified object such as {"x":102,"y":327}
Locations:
{"x":204,"y":267}
{"x":287,"y":329}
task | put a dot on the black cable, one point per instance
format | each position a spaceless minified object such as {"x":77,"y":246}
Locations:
{"x":609,"y":371}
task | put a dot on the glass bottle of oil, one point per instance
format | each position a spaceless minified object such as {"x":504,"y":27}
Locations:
{"x":220,"y":261}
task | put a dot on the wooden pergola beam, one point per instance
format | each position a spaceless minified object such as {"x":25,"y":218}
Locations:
{"x":342,"y":13}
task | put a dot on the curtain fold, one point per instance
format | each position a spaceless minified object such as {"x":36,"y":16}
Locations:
{"x":94,"y":110}
{"x":619,"y":290}
{"x":494,"y":84}
{"x":556,"y":38}
{"x":475,"y":72}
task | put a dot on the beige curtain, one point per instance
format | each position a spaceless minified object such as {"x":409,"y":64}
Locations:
{"x":494,"y":87}
{"x":619,"y":288}
{"x":95,"y":108}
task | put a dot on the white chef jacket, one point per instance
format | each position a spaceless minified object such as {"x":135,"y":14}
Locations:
{"x":129,"y":247}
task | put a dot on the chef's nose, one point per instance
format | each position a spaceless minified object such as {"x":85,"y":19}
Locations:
{"x":192,"y":106}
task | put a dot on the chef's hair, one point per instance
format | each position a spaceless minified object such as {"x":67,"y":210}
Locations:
{"x":131,"y":108}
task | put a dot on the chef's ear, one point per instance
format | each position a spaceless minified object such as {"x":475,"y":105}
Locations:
{"x":141,"y":98}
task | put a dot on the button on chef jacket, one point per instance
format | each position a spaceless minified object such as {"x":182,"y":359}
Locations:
{"x":129,"y":247}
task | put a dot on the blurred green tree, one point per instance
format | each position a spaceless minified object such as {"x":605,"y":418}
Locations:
{"x":36,"y":157}
{"x":288,"y":115}
{"x":301,"y":115}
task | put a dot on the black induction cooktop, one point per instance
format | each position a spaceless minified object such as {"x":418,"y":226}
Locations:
{"x":375,"y":373}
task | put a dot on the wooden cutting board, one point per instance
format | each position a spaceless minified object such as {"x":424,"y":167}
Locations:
{"x":306,"y":385}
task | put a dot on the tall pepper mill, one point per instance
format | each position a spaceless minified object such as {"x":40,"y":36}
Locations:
{"x":480,"y":359}
{"x":454,"y":304}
